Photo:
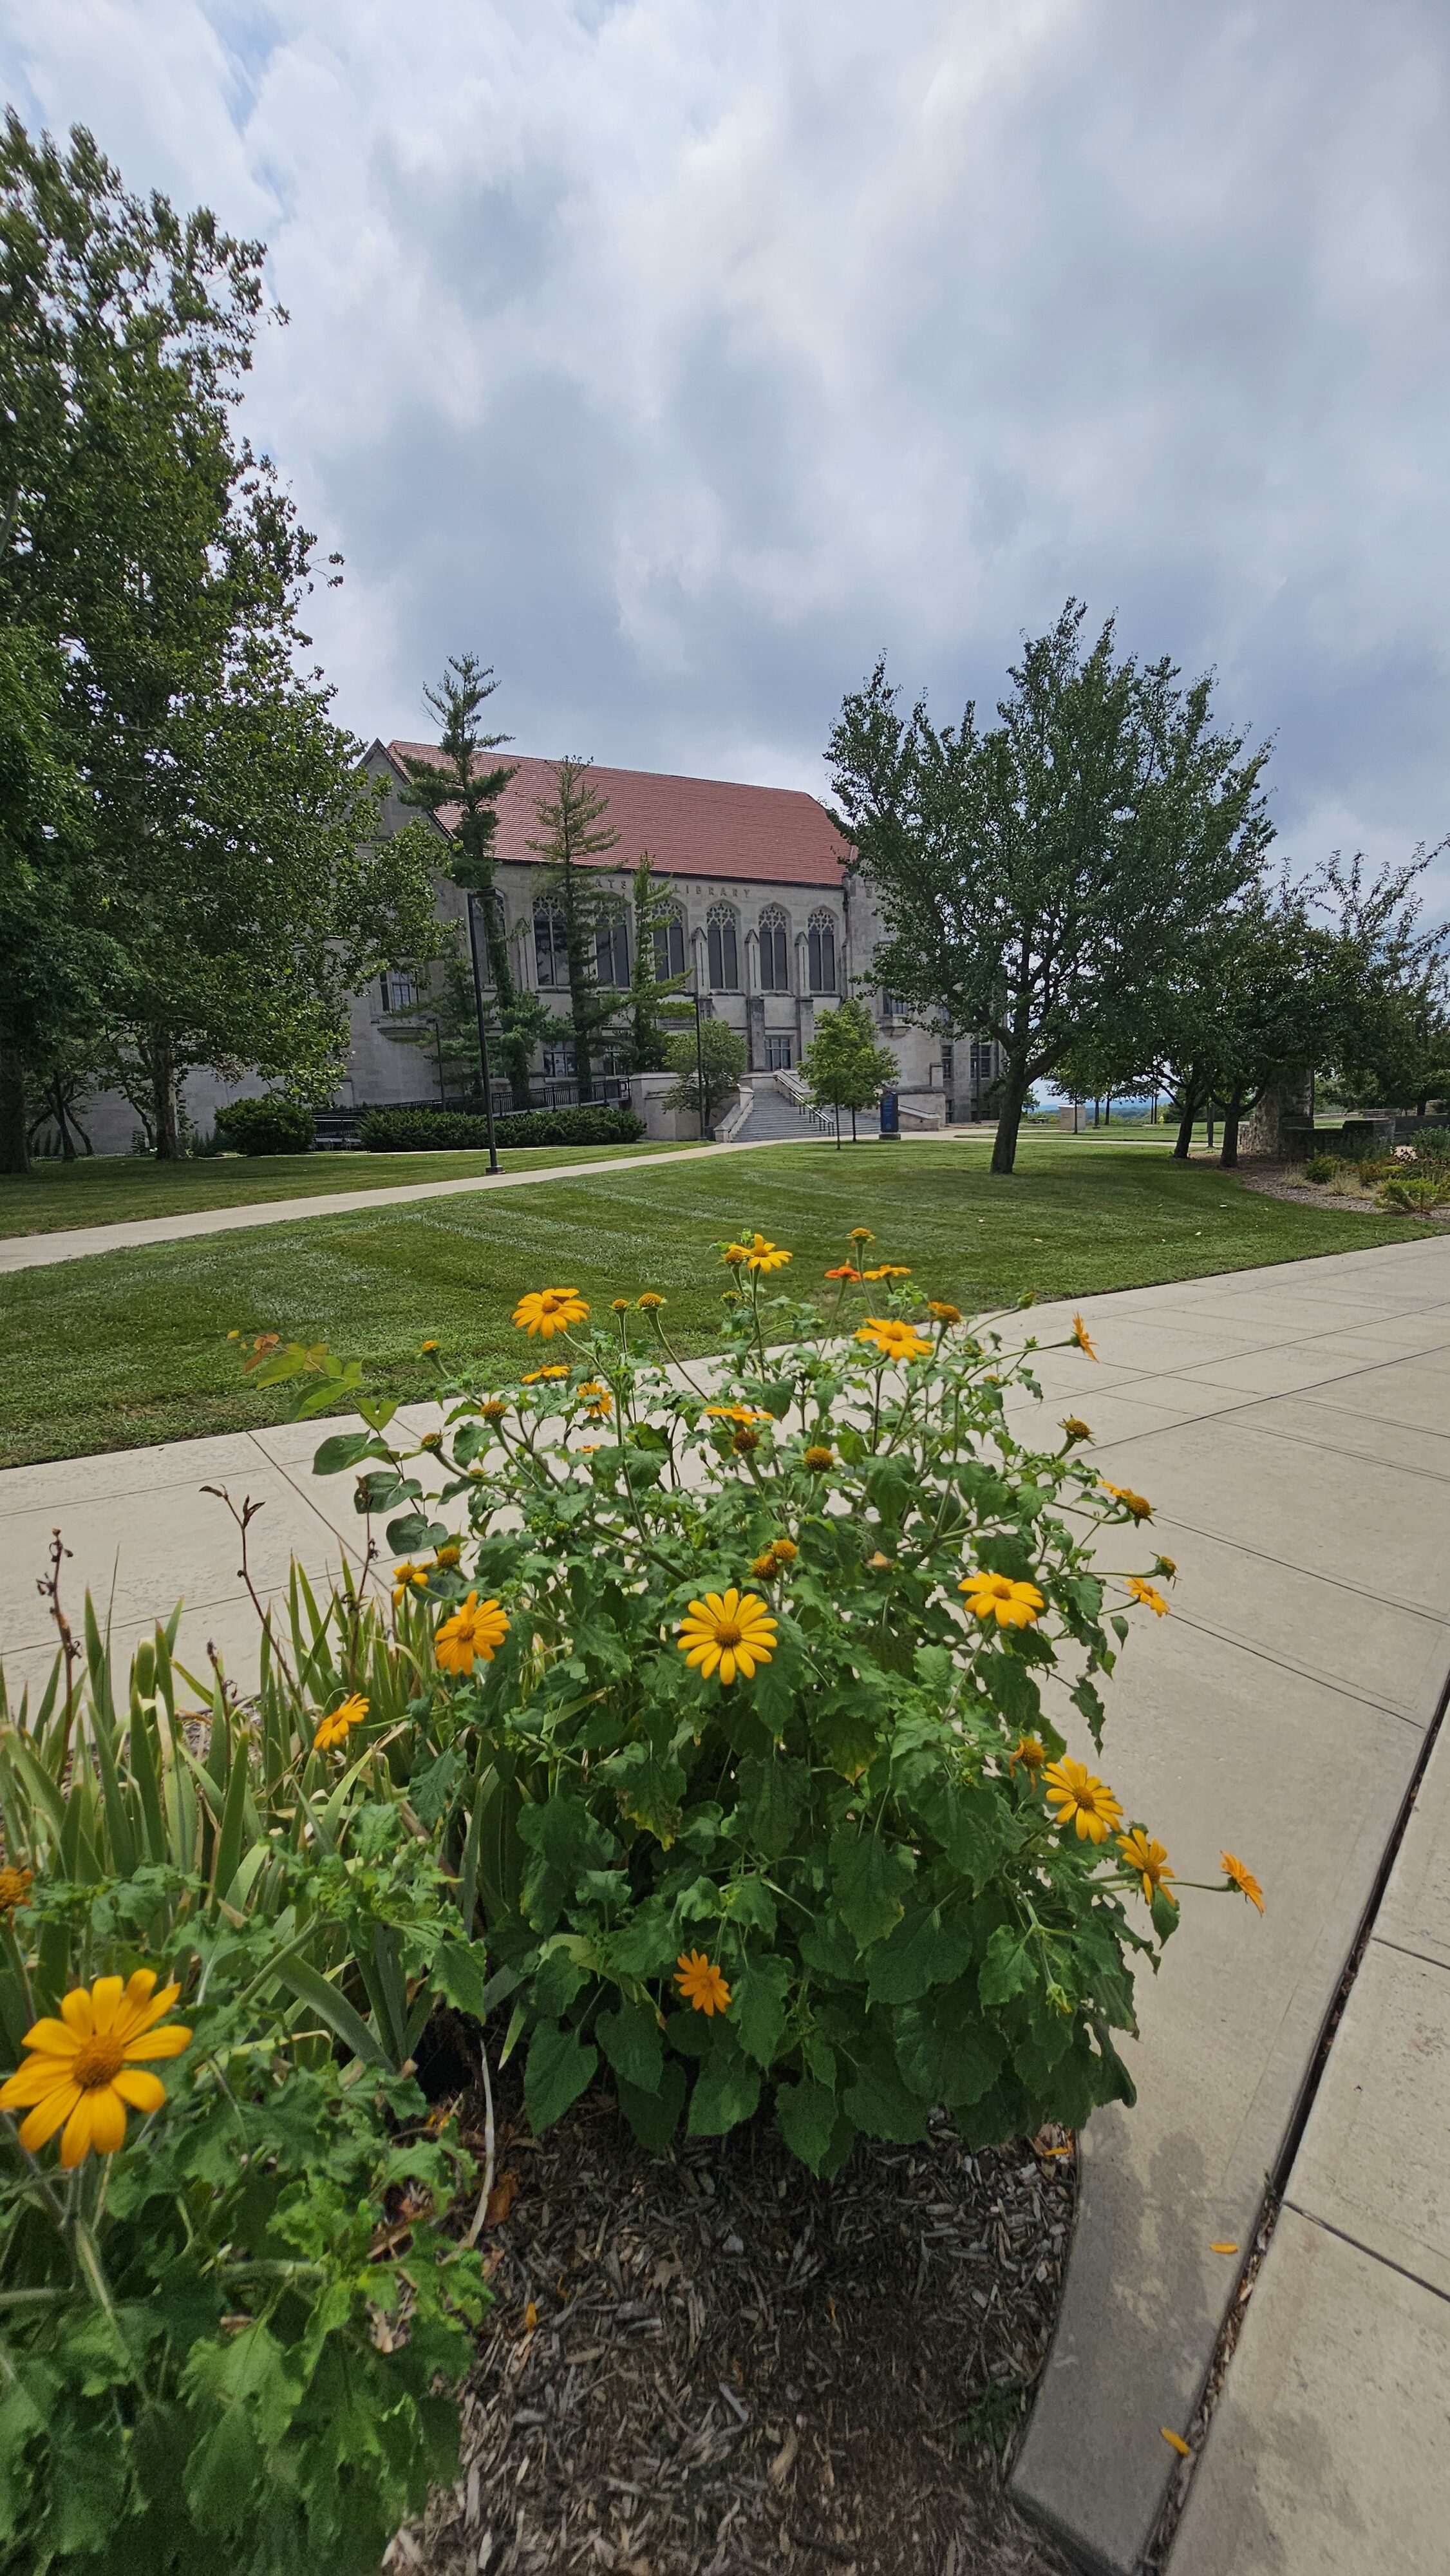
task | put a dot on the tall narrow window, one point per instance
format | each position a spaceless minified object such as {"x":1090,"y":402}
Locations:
{"x":401,"y":989}
{"x":670,"y":946}
{"x":774,"y":950}
{"x":822,"y":953}
{"x":551,"y":951}
{"x":611,"y":952}
{"x":723,"y":947}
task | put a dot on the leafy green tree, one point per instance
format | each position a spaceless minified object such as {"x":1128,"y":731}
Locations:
{"x":652,"y":904}
{"x":462,"y":782}
{"x":574,"y":837}
{"x":1041,"y":877}
{"x":843,"y":1065}
{"x":709,"y":1063}
{"x":1391,"y":1045}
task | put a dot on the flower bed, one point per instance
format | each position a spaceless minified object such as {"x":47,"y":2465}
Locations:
{"x":711,"y":1756}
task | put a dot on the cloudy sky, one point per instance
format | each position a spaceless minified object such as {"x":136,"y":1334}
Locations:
{"x":679,"y":355}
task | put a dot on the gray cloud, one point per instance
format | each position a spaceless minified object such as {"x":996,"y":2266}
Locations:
{"x":678,"y":355}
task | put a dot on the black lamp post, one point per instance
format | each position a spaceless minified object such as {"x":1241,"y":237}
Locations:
{"x":482,"y":1031}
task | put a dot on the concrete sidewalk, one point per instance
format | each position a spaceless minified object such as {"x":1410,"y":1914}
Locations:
{"x":1292,"y":1427}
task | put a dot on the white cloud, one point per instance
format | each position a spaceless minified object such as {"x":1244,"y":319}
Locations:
{"x":677,"y":354}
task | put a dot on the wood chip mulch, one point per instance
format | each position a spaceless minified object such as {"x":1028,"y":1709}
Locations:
{"x":1286,"y":1181}
{"x":707,"y":2362}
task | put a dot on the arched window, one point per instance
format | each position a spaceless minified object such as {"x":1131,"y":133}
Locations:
{"x":822,"y":946}
{"x":551,"y":951}
{"x":611,"y":951}
{"x":774,"y":950}
{"x":723,"y":948}
{"x":670,"y":946}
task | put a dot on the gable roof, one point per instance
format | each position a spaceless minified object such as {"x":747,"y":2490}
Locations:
{"x":691,"y":827}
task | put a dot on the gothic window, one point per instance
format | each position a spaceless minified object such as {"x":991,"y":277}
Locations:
{"x":559,"y":1059}
{"x":724,"y":951}
{"x":670,"y":946}
{"x":611,"y":951}
{"x":401,"y":989}
{"x":822,"y":953}
{"x":774,"y":955}
{"x":551,"y":952}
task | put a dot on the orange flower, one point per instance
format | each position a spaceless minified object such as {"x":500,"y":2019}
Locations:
{"x":333,"y":1732}
{"x":996,"y":1596}
{"x":843,"y":1270}
{"x":547,"y":1311}
{"x":1082,"y":1338}
{"x":15,"y":1886}
{"x":944,"y":1313}
{"x":649,"y":1303}
{"x":1243,"y":1879}
{"x":1149,"y":1860}
{"x":475,"y":1632}
{"x":596,"y":1399}
{"x":700,"y":1983}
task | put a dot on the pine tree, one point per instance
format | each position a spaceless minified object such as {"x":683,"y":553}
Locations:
{"x":653,"y":906}
{"x":462,"y":777}
{"x":574,"y":830}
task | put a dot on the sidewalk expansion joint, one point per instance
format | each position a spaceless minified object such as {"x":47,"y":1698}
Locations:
{"x":1371,"y":2253}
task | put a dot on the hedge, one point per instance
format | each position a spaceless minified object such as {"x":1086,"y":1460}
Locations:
{"x":266,"y":1123}
{"x":432,"y":1131}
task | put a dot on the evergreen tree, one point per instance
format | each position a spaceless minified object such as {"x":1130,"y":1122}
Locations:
{"x":843,"y":1065}
{"x":583,"y":903}
{"x":463,"y":779}
{"x":652,"y":903}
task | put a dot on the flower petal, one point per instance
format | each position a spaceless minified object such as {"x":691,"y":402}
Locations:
{"x":47,"y":2117}
{"x":75,"y":2139}
{"x":106,"y":1996}
{"x":144,"y":2092}
{"x":52,"y":2038}
{"x":34,"y":2081}
{"x":108,"y":2120}
{"x":159,"y":2043}
{"x":75,"y":2009}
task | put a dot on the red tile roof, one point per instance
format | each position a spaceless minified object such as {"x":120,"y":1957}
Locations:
{"x":692,"y":827}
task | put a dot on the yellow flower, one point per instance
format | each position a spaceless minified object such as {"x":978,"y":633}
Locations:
{"x":476,"y":1630}
{"x":495,"y":1410}
{"x":1141,"y":1509}
{"x":1075,"y":1427}
{"x":762,"y":1255}
{"x":996,"y":1596}
{"x":944,"y":1313}
{"x":15,"y":1886}
{"x":743,"y":1414}
{"x":734,"y":1254}
{"x":425,"y":1347}
{"x":817,"y":1458}
{"x":1078,"y":1799}
{"x":1031,"y":1752}
{"x":763,"y":1566}
{"x":534,"y":1377}
{"x":1166,"y":1566}
{"x":620,"y":1306}
{"x":1149,"y":1860}
{"x":596,"y":1399}
{"x":405,"y":1574}
{"x":784,"y":1550}
{"x":335,"y":1730}
{"x":649,"y":1303}
{"x":730,"y":1632}
{"x":83,"y":2069}
{"x":700,"y":1983}
{"x":1239,"y":1877}
{"x":1145,"y":1593}
{"x":547,"y":1311}
{"x":888,"y":1270}
{"x":861,"y":1234}
{"x":894,"y":1340}
{"x":1081,"y":1336}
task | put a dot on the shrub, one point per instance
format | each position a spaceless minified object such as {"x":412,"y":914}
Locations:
{"x":1415,"y":1193}
{"x":1431,"y":1147}
{"x":1320,"y":1168}
{"x":431,"y":1131}
{"x":739,"y":1688}
{"x":267,"y":1124}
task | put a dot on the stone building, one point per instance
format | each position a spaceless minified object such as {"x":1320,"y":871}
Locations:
{"x":767,"y":922}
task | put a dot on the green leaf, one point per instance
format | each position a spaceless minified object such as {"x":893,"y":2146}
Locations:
{"x":870,"y":1877}
{"x":944,"y":2049}
{"x":430,"y":1792}
{"x":1166,"y":1915}
{"x":773,"y":1793}
{"x":926,"y":1949}
{"x":727,"y":2089}
{"x":344,"y":1449}
{"x":1089,"y":1705}
{"x":758,"y":2008}
{"x":879,"y":2102}
{"x":558,"y":2069}
{"x":973,"y":1826}
{"x":654,"y":2116}
{"x":1007,"y":1969}
{"x":458,"y":1973}
{"x":630,"y":2039}
{"x":807,"y":2115}
{"x":223,"y":2473}
{"x":313,"y":1989}
{"x":408,"y":1531}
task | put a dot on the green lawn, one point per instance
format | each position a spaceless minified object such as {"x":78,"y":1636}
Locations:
{"x":130,"y":1347}
{"x":117,"y":1186}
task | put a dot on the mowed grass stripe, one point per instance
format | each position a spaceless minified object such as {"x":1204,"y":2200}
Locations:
{"x":129,"y":1348}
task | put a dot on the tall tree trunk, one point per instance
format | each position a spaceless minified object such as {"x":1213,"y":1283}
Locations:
{"x":163,"y":1093}
{"x":1232,"y":1112}
{"x":14,"y":1142}
{"x":1009,"y":1118}
{"x":1185,"y":1131}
